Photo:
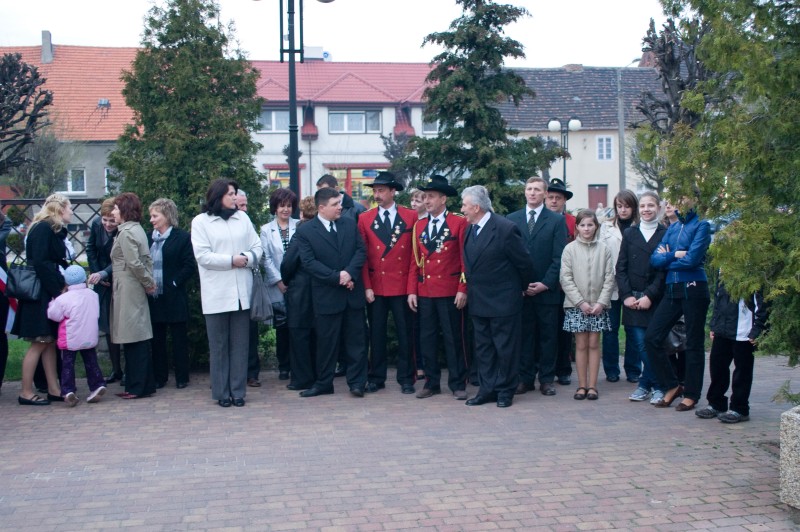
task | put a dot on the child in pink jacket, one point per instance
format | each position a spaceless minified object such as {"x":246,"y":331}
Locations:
{"x":77,"y":311}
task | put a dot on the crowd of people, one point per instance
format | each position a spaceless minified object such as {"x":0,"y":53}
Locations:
{"x":508,"y":301}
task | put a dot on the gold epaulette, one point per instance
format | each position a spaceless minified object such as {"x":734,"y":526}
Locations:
{"x":456,"y":214}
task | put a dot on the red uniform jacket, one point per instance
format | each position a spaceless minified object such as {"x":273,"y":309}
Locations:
{"x":570,"y":219}
{"x":388,"y":254}
{"x":437,"y":267}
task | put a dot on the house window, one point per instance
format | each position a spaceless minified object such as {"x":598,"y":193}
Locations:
{"x":273,"y":120}
{"x":354,"y":122}
{"x":73,"y":182}
{"x":430,"y":128}
{"x":604,"y":148}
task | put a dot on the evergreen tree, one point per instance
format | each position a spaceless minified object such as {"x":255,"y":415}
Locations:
{"x":195,"y":103}
{"x":467,"y":85}
{"x":743,"y":154}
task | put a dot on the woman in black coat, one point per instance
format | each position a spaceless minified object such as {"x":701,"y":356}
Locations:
{"x":173,"y":266}
{"x":299,"y":312}
{"x":98,"y":253}
{"x":640,"y":289}
{"x":45,"y":251}
{"x":5,"y":229}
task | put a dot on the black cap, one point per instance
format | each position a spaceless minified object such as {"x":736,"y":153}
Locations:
{"x":557,"y":185}
{"x":438,"y":183}
{"x":387,"y":179}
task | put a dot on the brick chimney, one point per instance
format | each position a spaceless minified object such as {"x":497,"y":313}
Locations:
{"x":47,"y":47}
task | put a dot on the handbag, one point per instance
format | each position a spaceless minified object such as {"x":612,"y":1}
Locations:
{"x":23,"y":284}
{"x":676,"y":339}
{"x":260,"y":302}
{"x":279,"y":314}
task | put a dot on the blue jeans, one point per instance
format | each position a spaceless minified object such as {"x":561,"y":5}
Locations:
{"x":611,"y":341}
{"x":634,"y":348}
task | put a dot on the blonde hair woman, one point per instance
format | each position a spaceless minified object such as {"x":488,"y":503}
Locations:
{"x":46,"y":252}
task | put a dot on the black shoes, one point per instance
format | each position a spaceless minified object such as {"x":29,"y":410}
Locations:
{"x":33,"y":401}
{"x":114,"y":377}
{"x":340,"y":371}
{"x":612,"y":378}
{"x":407,"y":389}
{"x":54,"y":398}
{"x":524,"y":388}
{"x":505,"y":402}
{"x":480,"y":400}
{"x":357,"y":391}
{"x":373,"y":387}
{"x":548,"y":388}
{"x":224,"y":403}
{"x":181,"y":385}
{"x":238,"y":402}
{"x":565,"y":381}
{"x":314,"y":391}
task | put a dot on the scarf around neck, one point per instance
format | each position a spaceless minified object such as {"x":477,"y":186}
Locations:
{"x":158,"y":264}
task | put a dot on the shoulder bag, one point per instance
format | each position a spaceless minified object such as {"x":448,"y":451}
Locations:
{"x":260,"y":302}
{"x":23,"y":284}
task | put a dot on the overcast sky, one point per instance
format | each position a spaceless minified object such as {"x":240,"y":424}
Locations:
{"x":589,"y":32}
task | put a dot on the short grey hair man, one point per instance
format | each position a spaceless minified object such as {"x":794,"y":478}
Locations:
{"x":478,"y":195}
{"x":241,"y":200}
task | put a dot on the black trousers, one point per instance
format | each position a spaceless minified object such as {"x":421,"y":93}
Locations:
{"x":301,"y":356}
{"x":253,"y":360}
{"x":282,"y":350}
{"x":379,"y":319}
{"x":497,"y":346}
{"x":690,"y":301}
{"x":440,"y":314}
{"x":723,"y":352}
{"x":180,"y":353}
{"x":350,"y":325}
{"x":565,"y":338}
{"x":539,"y":341}
{"x":139,"y":379}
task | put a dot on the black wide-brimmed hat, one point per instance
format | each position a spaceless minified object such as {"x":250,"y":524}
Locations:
{"x":387,"y":179}
{"x":557,"y":185}
{"x":438,"y":183}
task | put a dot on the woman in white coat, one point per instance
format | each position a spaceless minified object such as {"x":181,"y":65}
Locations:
{"x":227,"y":249}
{"x":275,"y":237}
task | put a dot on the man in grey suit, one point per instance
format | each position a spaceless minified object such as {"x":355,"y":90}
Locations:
{"x":497,"y":268}
{"x":545,"y":237}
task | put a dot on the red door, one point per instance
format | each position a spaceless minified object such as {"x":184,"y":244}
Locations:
{"x":598,"y":194}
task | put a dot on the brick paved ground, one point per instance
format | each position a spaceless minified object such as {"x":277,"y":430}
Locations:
{"x":388,"y":461}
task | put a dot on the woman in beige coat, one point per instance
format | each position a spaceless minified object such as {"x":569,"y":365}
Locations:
{"x":587,"y":277}
{"x":130,"y":312}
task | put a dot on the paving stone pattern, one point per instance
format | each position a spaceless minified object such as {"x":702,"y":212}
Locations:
{"x":178,"y":461}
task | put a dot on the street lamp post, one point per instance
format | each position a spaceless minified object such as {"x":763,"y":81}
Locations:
{"x":292,"y":51}
{"x":555,"y":125}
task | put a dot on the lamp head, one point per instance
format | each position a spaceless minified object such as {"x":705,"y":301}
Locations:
{"x":554,"y":125}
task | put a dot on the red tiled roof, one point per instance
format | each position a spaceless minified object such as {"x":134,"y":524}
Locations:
{"x":343,"y":83}
{"x":78,"y":77}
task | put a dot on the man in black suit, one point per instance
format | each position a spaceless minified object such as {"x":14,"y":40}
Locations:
{"x":545,"y":237}
{"x":497,"y":269}
{"x":333,"y":254}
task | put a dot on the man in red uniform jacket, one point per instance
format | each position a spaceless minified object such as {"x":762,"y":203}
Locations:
{"x":557,"y":196}
{"x":386,"y":230}
{"x":437,"y":290}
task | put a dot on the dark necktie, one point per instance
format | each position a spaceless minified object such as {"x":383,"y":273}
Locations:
{"x":475,"y":230}
{"x":332,"y":228}
{"x":386,"y":223}
{"x":531,"y":221}
{"x":433,"y":229}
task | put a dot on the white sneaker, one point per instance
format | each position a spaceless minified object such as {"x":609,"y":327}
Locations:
{"x":657,"y":396}
{"x":96,"y":395}
{"x":71,"y":399}
{"x":639,"y":394}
